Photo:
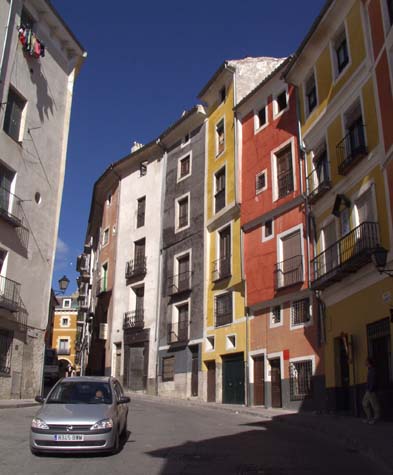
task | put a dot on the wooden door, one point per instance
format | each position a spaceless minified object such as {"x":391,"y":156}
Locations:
{"x":233,"y":379}
{"x":194,"y":373}
{"x":259,"y":381}
{"x":211,"y":381}
{"x":276,"y":382}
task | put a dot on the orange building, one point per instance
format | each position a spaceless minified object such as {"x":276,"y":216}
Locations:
{"x":283,"y":359}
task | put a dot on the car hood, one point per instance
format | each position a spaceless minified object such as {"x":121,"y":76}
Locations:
{"x":74,"y":413}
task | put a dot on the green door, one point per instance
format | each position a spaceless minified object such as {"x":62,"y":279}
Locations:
{"x":233,"y":379}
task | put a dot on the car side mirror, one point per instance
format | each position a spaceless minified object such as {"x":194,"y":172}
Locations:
{"x":123,"y":400}
{"x":40,"y":399}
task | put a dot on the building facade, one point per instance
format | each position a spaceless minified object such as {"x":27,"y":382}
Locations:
{"x":36,"y":87}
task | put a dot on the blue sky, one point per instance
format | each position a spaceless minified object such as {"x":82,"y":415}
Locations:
{"x":146,"y":63}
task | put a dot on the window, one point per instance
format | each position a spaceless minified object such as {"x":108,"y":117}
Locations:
{"x":223,"y":94}
{"x":281,"y":102}
{"x":276,"y":316}
{"x":168,"y":368}
{"x":390,"y":9}
{"x":300,"y":379}
{"x":66,"y":303}
{"x":220,"y":137}
{"x":311,"y":93}
{"x":354,"y":145}
{"x":14,"y":115}
{"x":140,"y":252}
{"x":183,"y":267}
{"x":182,"y":213}
{"x":185,"y":140}
{"x":321,"y":167}
{"x":219,"y":196}
{"x":210,"y":343}
{"x":267,"y":230}
{"x":178,"y":329}
{"x":64,"y":346}
{"x":184,"y":168}
{"x":143,"y":168}
{"x":341,"y":52}
{"x":300,"y":312}
{"x":230,"y":342}
{"x":260,"y":118}
{"x":6,"y":179}
{"x":223,"y":309}
{"x":103,"y":284}
{"x":260,"y":182}
{"x":3,"y":255}
{"x":290,"y":269}
{"x":65,"y":321}
{"x":109,"y":199}
{"x":140,"y":220}
{"x":139,"y":302}
{"x":6,"y":338}
{"x":364,"y":207}
{"x":284,"y":172}
{"x":344,"y":221}
{"x":105,"y":237}
{"x":222,"y":266}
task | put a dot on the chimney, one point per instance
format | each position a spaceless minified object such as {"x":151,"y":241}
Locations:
{"x":136,"y":146}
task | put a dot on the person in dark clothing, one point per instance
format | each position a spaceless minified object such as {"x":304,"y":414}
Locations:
{"x":370,"y":400}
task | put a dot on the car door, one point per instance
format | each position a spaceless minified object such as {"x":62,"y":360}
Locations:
{"x":122,"y":409}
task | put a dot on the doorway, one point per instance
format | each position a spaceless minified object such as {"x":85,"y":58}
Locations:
{"x":259,"y":380}
{"x":211,"y":381}
{"x":233,"y":379}
{"x":194,"y":371}
{"x":275,"y":372}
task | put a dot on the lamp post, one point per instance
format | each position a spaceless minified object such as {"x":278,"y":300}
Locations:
{"x":63,"y":285}
{"x":379,"y":257}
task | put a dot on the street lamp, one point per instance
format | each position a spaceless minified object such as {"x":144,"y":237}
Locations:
{"x":379,"y":257}
{"x":63,"y":284}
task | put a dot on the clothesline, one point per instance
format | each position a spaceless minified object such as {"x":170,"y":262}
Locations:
{"x":31,"y":44}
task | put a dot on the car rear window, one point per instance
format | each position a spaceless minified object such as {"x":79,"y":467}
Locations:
{"x":78,"y":392}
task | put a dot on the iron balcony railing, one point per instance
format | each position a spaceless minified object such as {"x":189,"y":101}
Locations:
{"x":9,"y":294}
{"x":179,"y":283}
{"x":345,"y":256}
{"x":64,"y":351}
{"x":135,"y":268}
{"x":285,"y":183}
{"x":11,"y":207}
{"x":82,"y":266}
{"x":134,"y":319}
{"x":318,"y":182}
{"x":351,"y":149}
{"x":289,"y":272}
{"x":221,"y":268}
{"x":178,"y":332}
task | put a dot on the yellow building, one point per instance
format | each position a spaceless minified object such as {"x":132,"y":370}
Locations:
{"x":224,"y":348}
{"x":65,"y":331}
{"x":347,"y":195}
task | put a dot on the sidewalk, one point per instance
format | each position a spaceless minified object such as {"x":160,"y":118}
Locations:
{"x":374,"y":441}
{"x":15,"y":403}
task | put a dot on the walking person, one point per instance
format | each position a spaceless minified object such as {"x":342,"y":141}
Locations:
{"x":370,"y":400}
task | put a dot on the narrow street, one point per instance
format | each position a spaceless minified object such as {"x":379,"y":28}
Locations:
{"x":166,"y":439}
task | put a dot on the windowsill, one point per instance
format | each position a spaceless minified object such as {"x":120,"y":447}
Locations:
{"x":19,"y":142}
{"x":220,"y":154}
{"x":338,"y":75}
{"x":259,"y":129}
{"x":182,"y":178}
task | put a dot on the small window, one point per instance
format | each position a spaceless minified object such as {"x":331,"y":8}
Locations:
{"x":210,"y":343}
{"x":64,"y":346}
{"x":143,"y":168}
{"x":66,"y":303}
{"x":185,"y":140}
{"x":281,"y":101}
{"x":14,"y":115}
{"x":168,"y":368}
{"x":7,"y":201}
{"x":260,"y":182}
{"x":182,"y":213}
{"x":300,"y":312}
{"x":231,"y":342}
{"x":6,"y":338}
{"x":223,"y":94}
{"x":345,"y":221}
{"x":140,"y":221}
{"x":105,"y":237}
{"x":341,"y":52}
{"x":285,"y":184}
{"x":219,"y":196}
{"x":223,"y":309}
{"x":220,"y":137}
{"x":311,"y":93}
{"x":276,"y":315}
{"x":65,"y":321}
{"x":261,"y":117}
{"x":184,"y":167}
{"x":109,"y":199}
{"x":300,"y":379}
{"x":267,"y":230}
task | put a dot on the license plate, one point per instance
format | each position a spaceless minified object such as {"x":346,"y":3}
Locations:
{"x":69,"y":437}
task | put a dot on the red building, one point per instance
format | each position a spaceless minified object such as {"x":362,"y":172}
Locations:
{"x":285,"y":366}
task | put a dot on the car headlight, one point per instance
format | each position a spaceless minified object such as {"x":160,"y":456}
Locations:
{"x":37,"y":423}
{"x":103,"y":424}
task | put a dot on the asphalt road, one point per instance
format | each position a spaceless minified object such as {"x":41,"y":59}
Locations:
{"x":166,"y":439}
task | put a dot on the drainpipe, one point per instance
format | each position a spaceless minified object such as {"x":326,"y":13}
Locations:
{"x":7,"y":38}
{"x":247,"y":368}
{"x":159,"y":282}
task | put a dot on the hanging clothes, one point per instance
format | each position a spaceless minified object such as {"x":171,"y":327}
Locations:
{"x":31,"y":44}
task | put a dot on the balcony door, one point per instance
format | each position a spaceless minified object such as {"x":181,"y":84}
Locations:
{"x":139,"y":298}
{"x":292,"y":259}
{"x":330,"y":244}
{"x":225,"y":252}
{"x":139,"y":252}
{"x":365,"y":214}
{"x":6,"y":178}
{"x":183,"y":272}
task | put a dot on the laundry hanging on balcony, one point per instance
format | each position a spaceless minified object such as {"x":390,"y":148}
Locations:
{"x":31,"y":44}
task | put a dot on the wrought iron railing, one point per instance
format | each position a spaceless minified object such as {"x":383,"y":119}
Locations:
{"x":178,"y":332}
{"x":318,"y":181}
{"x":223,"y":309}
{"x":11,"y":207}
{"x":351,"y":149}
{"x":285,"y":183}
{"x":135,"y":268}
{"x":221,"y":268}
{"x":134,"y":319}
{"x":179,"y":283}
{"x":347,"y":254}
{"x":289,"y":272}
{"x":9,"y":294}
{"x":300,"y":380}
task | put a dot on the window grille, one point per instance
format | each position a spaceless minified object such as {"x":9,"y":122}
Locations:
{"x":223,"y":309}
{"x":300,"y":312}
{"x":6,"y":338}
{"x":300,"y":378}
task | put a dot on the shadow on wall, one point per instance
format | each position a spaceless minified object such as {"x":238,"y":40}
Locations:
{"x":45,"y":102}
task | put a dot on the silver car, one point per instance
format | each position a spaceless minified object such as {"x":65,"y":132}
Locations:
{"x":80,"y":414}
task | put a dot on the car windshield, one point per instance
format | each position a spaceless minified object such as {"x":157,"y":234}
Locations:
{"x":78,"y":392}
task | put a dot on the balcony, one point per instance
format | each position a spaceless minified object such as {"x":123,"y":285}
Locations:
{"x":178,"y":332}
{"x":289,"y":272}
{"x":179,"y":283}
{"x":64,"y":351}
{"x":285,"y":183}
{"x":102,"y":285}
{"x":135,"y":268}
{"x":11,"y":208}
{"x":221,"y":268}
{"x":134,"y":319}
{"x":351,"y":149}
{"x":345,"y":256}
{"x":82,"y":266}
{"x":83,"y":302}
{"x":318,"y":182}
{"x":9,"y":294}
